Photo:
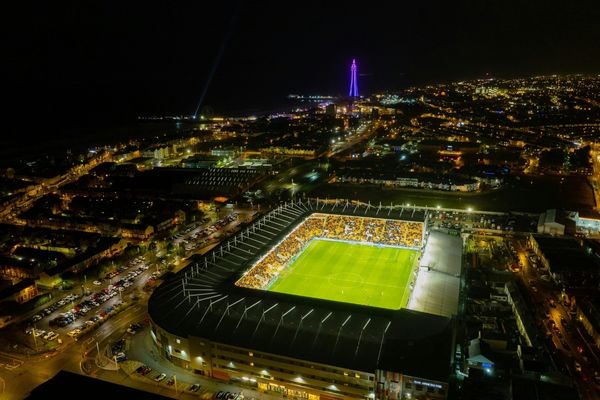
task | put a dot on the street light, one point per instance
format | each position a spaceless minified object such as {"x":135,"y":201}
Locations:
{"x":34,"y":338}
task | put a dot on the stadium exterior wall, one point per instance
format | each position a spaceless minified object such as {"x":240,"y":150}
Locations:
{"x":293,"y":378}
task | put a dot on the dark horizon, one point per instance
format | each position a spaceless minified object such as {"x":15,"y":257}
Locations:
{"x":106,"y":64}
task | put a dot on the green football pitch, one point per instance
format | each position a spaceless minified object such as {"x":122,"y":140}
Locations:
{"x":352,"y":273}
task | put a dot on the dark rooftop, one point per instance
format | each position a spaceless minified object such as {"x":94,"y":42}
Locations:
{"x":564,"y":254}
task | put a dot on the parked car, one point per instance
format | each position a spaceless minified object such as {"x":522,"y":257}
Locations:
{"x":160,"y":377}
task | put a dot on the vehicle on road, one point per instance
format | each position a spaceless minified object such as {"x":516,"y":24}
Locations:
{"x":143,"y":370}
{"x":134,"y":328}
{"x":577,"y":366}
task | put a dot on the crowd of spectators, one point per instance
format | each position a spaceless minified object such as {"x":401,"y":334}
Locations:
{"x":339,"y":227}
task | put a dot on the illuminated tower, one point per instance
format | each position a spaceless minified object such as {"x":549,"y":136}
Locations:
{"x":353,"y":82}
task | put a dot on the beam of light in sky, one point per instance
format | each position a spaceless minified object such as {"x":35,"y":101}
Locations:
{"x":217,"y":61}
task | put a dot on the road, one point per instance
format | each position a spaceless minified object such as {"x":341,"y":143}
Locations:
{"x":595,"y":178}
{"x":565,"y":343}
{"x":362,"y":133}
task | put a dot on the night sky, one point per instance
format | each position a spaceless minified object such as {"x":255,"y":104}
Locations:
{"x":98,"y":63}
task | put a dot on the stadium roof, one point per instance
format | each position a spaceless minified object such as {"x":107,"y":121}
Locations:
{"x":202,"y":301}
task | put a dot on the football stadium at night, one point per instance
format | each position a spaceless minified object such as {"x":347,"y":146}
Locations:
{"x":318,"y":299}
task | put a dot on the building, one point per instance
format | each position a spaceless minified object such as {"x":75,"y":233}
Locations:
{"x":565,"y":258}
{"x":228,"y":152}
{"x":300,"y":347}
{"x":523,"y":315}
{"x":20,"y":292}
{"x":393,"y":179}
{"x":588,"y":314}
{"x":330,"y":110}
{"x":478,"y":356}
{"x":553,"y":222}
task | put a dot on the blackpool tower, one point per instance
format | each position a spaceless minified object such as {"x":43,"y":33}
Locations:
{"x":353,"y":82}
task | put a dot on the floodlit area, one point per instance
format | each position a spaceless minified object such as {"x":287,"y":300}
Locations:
{"x":438,"y":281}
{"x":365,"y":274}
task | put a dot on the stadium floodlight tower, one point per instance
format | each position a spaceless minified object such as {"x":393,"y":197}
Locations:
{"x":353,"y":82}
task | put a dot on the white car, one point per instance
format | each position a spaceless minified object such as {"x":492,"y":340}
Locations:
{"x":74,"y":332}
{"x":97,"y":283}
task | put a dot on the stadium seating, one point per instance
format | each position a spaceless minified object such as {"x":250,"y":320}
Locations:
{"x":339,"y":227}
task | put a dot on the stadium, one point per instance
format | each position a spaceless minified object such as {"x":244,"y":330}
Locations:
{"x":319,"y":300}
